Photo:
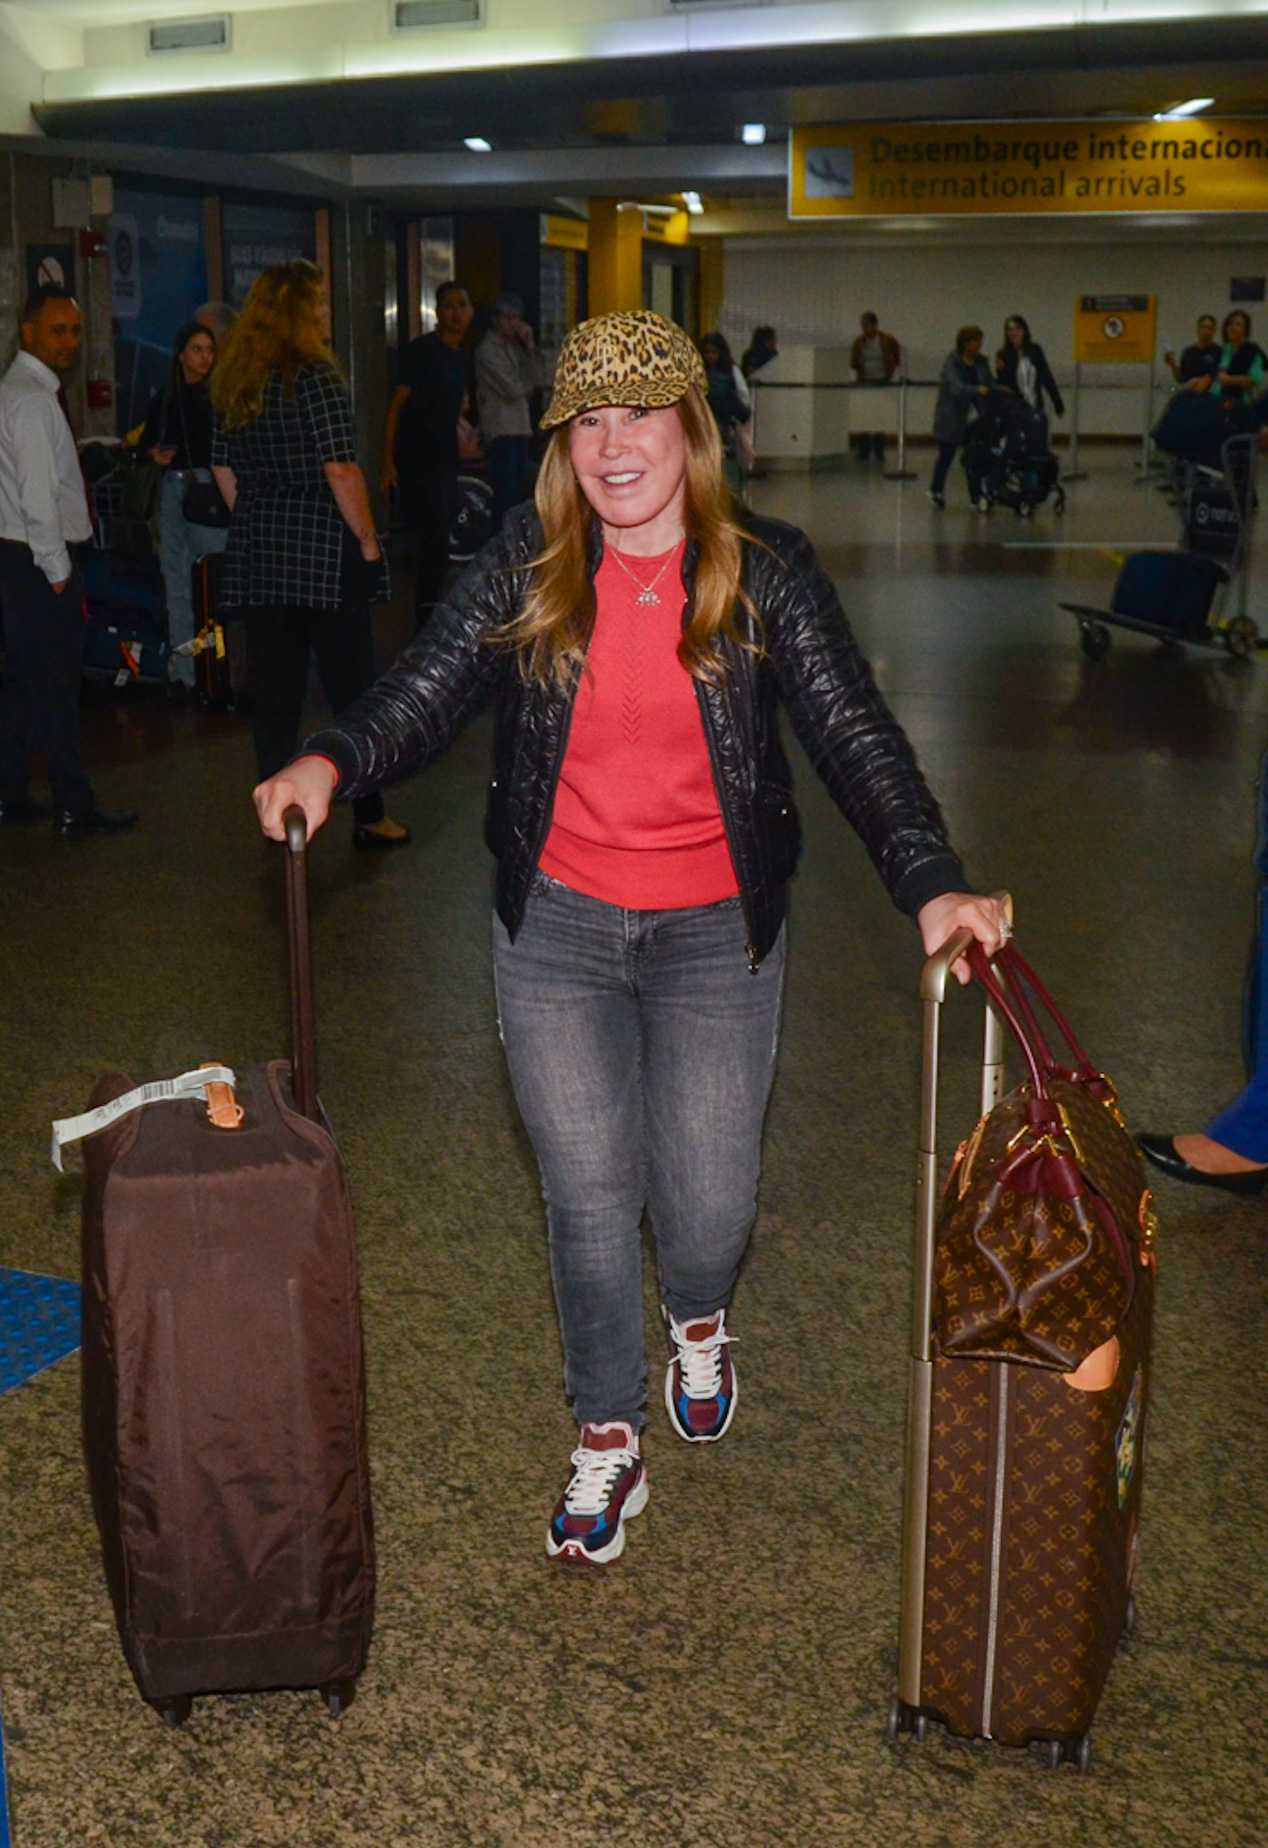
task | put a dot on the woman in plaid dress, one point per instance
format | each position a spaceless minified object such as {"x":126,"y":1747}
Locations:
{"x":303,"y":559}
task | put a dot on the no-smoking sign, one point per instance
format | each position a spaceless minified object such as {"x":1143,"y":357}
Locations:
{"x":1114,"y":328}
{"x":50,"y":266}
{"x":125,"y":268}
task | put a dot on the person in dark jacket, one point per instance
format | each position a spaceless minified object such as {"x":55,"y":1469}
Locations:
{"x":420,"y":439}
{"x":636,"y":640}
{"x":731,"y":402}
{"x":1199,"y":365}
{"x":761,"y":349}
{"x":177,"y":436}
{"x":966,"y":378}
{"x":1021,"y":366}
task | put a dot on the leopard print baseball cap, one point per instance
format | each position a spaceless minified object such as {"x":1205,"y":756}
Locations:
{"x":623,"y":359}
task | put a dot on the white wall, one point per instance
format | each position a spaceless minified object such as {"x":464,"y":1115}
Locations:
{"x":815,"y":292}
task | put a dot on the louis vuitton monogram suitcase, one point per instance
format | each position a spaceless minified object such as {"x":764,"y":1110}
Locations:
{"x":1028,"y":1391}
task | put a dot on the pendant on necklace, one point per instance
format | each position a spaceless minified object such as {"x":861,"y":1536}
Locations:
{"x":647,"y":596}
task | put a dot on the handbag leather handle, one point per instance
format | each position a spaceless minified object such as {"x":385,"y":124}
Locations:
{"x":299,"y":962}
{"x":1020,"y":976}
{"x":1022,"y":1002}
{"x":985,"y":975}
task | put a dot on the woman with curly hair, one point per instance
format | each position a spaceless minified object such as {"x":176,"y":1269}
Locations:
{"x":303,"y":561}
{"x":636,"y":632}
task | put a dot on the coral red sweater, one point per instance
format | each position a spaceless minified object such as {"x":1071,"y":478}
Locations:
{"x":636,"y":819}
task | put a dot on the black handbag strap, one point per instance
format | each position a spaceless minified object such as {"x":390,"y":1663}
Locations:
{"x":180,"y":405}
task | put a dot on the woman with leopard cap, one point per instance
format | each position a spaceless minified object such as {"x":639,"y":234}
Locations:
{"x":636,"y":631}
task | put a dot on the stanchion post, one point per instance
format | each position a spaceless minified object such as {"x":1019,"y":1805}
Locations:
{"x":746,"y":486}
{"x":1074,"y":472}
{"x":1147,"y":435}
{"x":902,"y":472}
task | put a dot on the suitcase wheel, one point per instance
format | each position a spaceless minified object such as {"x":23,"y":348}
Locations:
{"x":904,"y":1719}
{"x":339,"y":1696}
{"x":174,"y":1712}
{"x":1241,"y":636}
{"x":1096,"y":640}
{"x":1075,"y":1749}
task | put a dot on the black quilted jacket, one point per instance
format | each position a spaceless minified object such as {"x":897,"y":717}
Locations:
{"x":810,"y":662}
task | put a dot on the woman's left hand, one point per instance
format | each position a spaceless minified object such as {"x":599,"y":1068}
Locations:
{"x":987,"y":918}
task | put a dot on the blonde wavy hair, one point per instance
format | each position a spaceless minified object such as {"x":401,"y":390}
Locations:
{"x":279,"y":328}
{"x":553,"y":629}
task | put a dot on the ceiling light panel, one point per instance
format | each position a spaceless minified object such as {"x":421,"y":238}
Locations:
{"x":417,"y":15}
{"x":1179,"y":111}
{"x":209,"y":32}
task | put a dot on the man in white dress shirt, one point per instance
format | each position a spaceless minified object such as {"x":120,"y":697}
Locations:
{"x":43,"y":517}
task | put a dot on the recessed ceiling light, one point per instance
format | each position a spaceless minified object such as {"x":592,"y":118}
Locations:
{"x":1194,"y":106}
{"x":477,"y":144}
{"x":753,"y":134}
{"x":693,"y":202}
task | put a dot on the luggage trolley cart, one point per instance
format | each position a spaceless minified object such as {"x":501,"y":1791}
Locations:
{"x":126,"y":638}
{"x":1195,"y":596}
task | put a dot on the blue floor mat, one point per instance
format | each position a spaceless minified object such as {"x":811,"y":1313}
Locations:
{"x":39,"y":1324}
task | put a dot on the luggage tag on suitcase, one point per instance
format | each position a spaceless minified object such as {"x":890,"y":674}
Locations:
{"x":208,"y":1079}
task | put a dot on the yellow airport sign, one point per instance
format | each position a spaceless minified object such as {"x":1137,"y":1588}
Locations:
{"x":561,"y":233}
{"x":1113,"y":328}
{"x":893,"y":169}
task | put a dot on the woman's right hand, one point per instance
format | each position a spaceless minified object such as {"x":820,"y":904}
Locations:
{"x":371,"y":550}
{"x":310,"y":782}
{"x":161,"y":455}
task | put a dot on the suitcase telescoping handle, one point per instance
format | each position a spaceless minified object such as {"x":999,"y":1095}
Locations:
{"x":933,"y":991}
{"x":299,"y":961}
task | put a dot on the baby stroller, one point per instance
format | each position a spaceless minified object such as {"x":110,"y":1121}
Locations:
{"x":1007,"y":453}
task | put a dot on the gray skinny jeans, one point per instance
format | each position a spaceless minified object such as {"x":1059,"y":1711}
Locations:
{"x":642,"y":1049}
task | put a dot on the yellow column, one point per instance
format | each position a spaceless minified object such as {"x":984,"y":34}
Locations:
{"x":712,"y":283}
{"x":616,"y":258}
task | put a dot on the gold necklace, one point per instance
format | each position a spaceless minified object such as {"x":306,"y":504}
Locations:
{"x":646,"y":592}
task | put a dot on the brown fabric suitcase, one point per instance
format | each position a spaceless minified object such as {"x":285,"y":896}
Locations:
{"x":223,"y":1382}
{"x":1022,"y":1493}
{"x":222,"y":675}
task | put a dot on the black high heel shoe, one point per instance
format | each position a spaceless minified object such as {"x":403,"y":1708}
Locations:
{"x":1162,"y":1152}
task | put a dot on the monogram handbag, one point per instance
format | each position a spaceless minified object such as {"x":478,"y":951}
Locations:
{"x":1045,"y":1220}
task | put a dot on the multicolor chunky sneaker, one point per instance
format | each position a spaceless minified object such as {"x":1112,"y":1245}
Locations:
{"x":701,"y":1389}
{"x":608,"y":1485}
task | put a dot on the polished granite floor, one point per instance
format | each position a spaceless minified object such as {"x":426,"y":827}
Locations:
{"x":728,"y":1683}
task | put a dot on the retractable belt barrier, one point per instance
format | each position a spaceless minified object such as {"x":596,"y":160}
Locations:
{"x":903,"y":385}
